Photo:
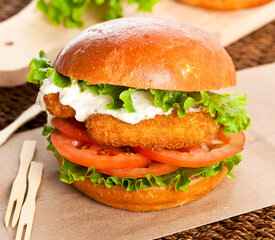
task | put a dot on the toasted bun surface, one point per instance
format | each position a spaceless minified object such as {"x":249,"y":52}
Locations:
{"x":147,"y":53}
{"x":149,"y":199}
{"x":226,"y":4}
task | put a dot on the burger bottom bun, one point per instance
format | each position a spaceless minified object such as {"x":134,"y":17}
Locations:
{"x":149,"y":199}
{"x":226,"y":4}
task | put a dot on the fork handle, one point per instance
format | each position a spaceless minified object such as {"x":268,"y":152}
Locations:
{"x":26,"y":156}
{"x":34,"y":180}
{"x":27,"y":115}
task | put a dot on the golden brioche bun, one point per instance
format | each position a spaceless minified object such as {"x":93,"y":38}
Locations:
{"x":226,"y":4}
{"x":149,"y":199}
{"x":147,"y":53}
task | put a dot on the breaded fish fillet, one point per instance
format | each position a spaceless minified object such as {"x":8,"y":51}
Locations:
{"x":163,"y":131}
{"x":56,"y":108}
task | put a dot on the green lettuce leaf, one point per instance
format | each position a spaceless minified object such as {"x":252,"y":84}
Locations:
{"x":59,"y":79}
{"x":120,"y":95}
{"x":70,"y":11}
{"x":178,"y":180}
{"x":113,"y":92}
{"x":41,"y":68}
{"x":144,"y":5}
{"x":94,"y":89}
{"x":114,"y":10}
{"x":67,"y":11}
{"x":226,"y":108}
{"x":169,"y":99}
{"x":126,"y":98}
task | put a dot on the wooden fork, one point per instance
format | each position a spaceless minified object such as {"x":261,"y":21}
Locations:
{"x":28,"y":209}
{"x":20,"y":182}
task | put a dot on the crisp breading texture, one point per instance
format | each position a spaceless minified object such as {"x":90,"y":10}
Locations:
{"x":56,"y":108}
{"x":163,"y":131}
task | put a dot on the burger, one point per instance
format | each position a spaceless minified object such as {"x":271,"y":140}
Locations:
{"x":134,"y":118}
{"x":226,"y":4}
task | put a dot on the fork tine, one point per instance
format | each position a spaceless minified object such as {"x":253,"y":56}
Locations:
{"x":28,"y":209}
{"x":19,"y":230}
{"x":16,"y":212}
{"x":28,"y":231}
{"x":9,"y":209}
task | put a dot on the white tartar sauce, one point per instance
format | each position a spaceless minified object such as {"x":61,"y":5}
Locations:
{"x":86,"y":103}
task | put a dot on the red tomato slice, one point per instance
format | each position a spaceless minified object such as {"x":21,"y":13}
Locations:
{"x":232,"y":144}
{"x":155,"y":168}
{"x":98,"y":156}
{"x":72,"y":129}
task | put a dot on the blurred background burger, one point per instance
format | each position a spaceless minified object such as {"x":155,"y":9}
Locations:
{"x":226,"y":4}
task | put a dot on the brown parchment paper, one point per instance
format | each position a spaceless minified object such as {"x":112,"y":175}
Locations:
{"x":64,"y":213}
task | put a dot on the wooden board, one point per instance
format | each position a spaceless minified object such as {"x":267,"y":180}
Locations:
{"x":25,"y":34}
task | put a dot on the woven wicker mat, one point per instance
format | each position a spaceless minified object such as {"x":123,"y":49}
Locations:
{"x":256,"y":49}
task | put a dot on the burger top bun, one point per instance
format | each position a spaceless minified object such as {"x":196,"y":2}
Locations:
{"x":147,"y":53}
{"x":226,"y":4}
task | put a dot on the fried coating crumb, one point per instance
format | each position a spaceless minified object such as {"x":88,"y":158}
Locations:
{"x":56,"y":108}
{"x":163,"y":131}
